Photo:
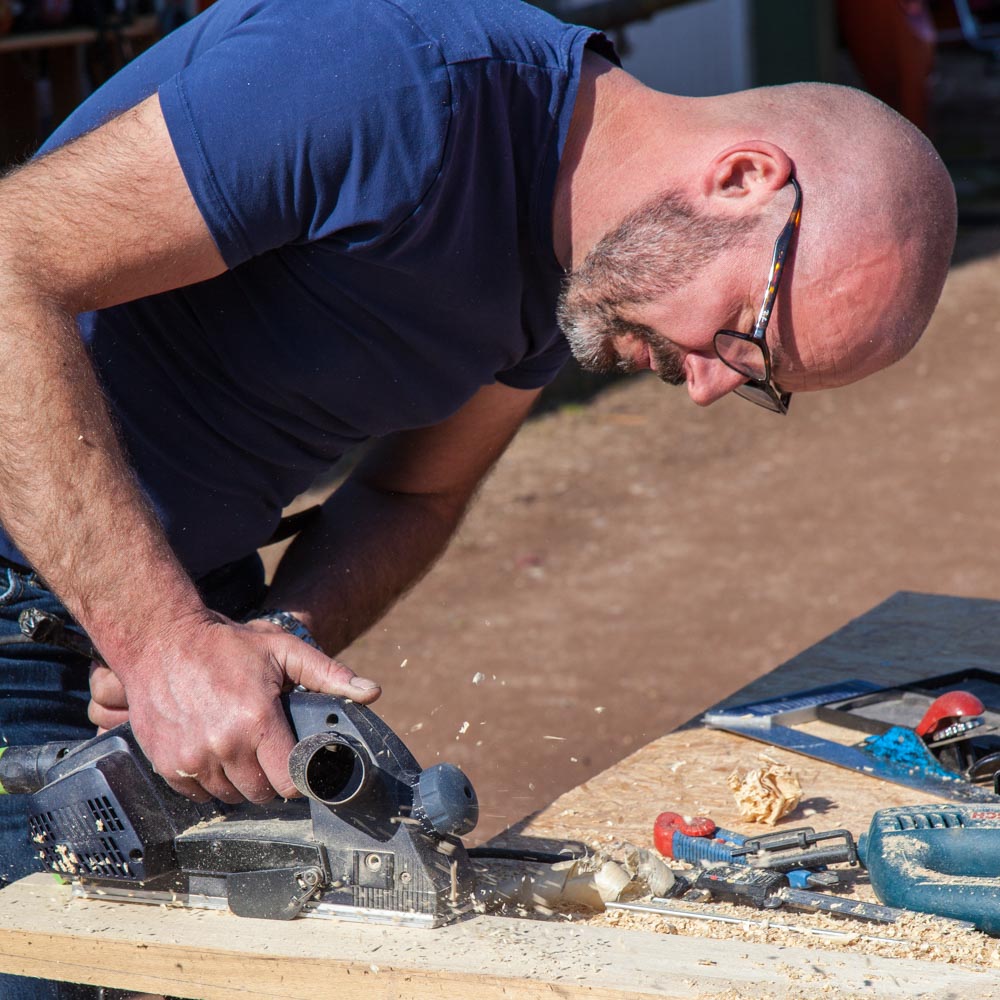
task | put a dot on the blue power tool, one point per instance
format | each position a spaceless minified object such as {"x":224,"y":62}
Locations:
{"x":940,"y":859}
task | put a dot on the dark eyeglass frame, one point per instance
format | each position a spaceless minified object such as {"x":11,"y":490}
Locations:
{"x":763,"y":391}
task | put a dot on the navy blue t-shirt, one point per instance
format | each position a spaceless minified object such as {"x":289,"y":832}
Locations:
{"x":378,"y":176}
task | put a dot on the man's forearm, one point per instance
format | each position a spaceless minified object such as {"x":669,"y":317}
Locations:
{"x":106,"y":219}
{"x":383,"y":529}
{"x":202,"y":692}
{"x":368,"y":547}
{"x":67,"y":496}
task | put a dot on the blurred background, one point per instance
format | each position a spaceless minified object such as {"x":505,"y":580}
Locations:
{"x":54,"y":52}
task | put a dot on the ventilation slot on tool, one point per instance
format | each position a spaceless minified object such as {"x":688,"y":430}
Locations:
{"x":936,"y":820}
{"x":107,"y":860}
{"x":79,"y":839}
{"x":105,"y":817}
{"x":40,"y":828}
{"x":72,"y":823}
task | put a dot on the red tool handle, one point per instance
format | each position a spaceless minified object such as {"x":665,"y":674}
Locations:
{"x":669,"y":823}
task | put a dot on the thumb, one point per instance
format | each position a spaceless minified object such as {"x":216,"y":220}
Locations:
{"x":316,"y":671}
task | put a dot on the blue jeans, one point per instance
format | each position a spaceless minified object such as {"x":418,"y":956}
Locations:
{"x":43,"y":697}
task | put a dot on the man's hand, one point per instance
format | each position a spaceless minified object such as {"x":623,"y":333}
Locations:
{"x":222,"y":732}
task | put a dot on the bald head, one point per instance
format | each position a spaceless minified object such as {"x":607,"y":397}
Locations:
{"x":877,"y":231}
{"x":667,"y":239}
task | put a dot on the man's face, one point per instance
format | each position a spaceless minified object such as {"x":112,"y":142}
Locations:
{"x":672,"y":333}
{"x":633,"y":306}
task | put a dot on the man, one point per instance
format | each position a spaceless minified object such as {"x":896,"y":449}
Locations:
{"x":294,"y":226}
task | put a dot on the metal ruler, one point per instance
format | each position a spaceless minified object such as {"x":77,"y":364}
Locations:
{"x":772,"y":722}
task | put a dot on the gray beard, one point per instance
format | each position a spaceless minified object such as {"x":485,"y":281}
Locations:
{"x":590,"y":333}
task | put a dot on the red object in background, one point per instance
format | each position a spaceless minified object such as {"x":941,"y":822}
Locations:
{"x":948,"y":708}
{"x":892,"y":44}
{"x":6,"y":16}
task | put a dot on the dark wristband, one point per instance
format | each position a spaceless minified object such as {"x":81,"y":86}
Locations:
{"x":291,"y":624}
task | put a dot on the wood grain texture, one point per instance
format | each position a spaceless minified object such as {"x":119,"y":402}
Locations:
{"x":44,"y":932}
{"x":219,"y":957}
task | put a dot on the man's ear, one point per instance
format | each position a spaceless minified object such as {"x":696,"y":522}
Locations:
{"x":747,"y":173}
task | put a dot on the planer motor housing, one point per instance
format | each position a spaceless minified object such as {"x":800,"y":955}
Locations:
{"x":375,"y":837}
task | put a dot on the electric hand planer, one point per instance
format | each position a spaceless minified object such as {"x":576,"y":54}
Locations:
{"x":375,"y":837}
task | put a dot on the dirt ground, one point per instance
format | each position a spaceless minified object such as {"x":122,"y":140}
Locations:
{"x":633,"y":558}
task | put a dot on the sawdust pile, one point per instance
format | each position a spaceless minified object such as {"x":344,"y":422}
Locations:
{"x":913,"y":936}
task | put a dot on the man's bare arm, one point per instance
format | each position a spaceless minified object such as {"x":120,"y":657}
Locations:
{"x":384,"y":527}
{"x":105,"y":220}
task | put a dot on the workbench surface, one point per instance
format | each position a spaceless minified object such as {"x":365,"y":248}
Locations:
{"x":43,"y":932}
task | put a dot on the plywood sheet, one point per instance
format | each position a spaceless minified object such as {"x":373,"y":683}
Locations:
{"x":908,"y":637}
{"x":220,"y":957}
{"x":686,"y":772}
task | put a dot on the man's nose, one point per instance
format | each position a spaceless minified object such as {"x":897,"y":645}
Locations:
{"x":708,"y":379}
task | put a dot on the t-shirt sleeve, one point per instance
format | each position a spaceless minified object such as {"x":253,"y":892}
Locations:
{"x":538,"y":370}
{"x":330,"y":125}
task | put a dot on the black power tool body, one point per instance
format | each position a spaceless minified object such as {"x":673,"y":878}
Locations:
{"x":375,"y":837}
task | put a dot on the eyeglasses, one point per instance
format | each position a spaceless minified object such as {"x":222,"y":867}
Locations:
{"x":747,"y":353}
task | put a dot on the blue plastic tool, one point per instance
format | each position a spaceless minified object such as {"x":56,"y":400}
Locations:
{"x":940,"y":859}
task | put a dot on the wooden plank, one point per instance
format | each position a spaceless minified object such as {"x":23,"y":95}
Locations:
{"x":217,"y":956}
{"x":43,"y":932}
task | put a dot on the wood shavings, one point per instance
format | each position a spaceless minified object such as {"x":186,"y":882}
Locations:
{"x":766,"y":793}
{"x":913,"y":936}
{"x":586,"y":883}
{"x":649,"y":872}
